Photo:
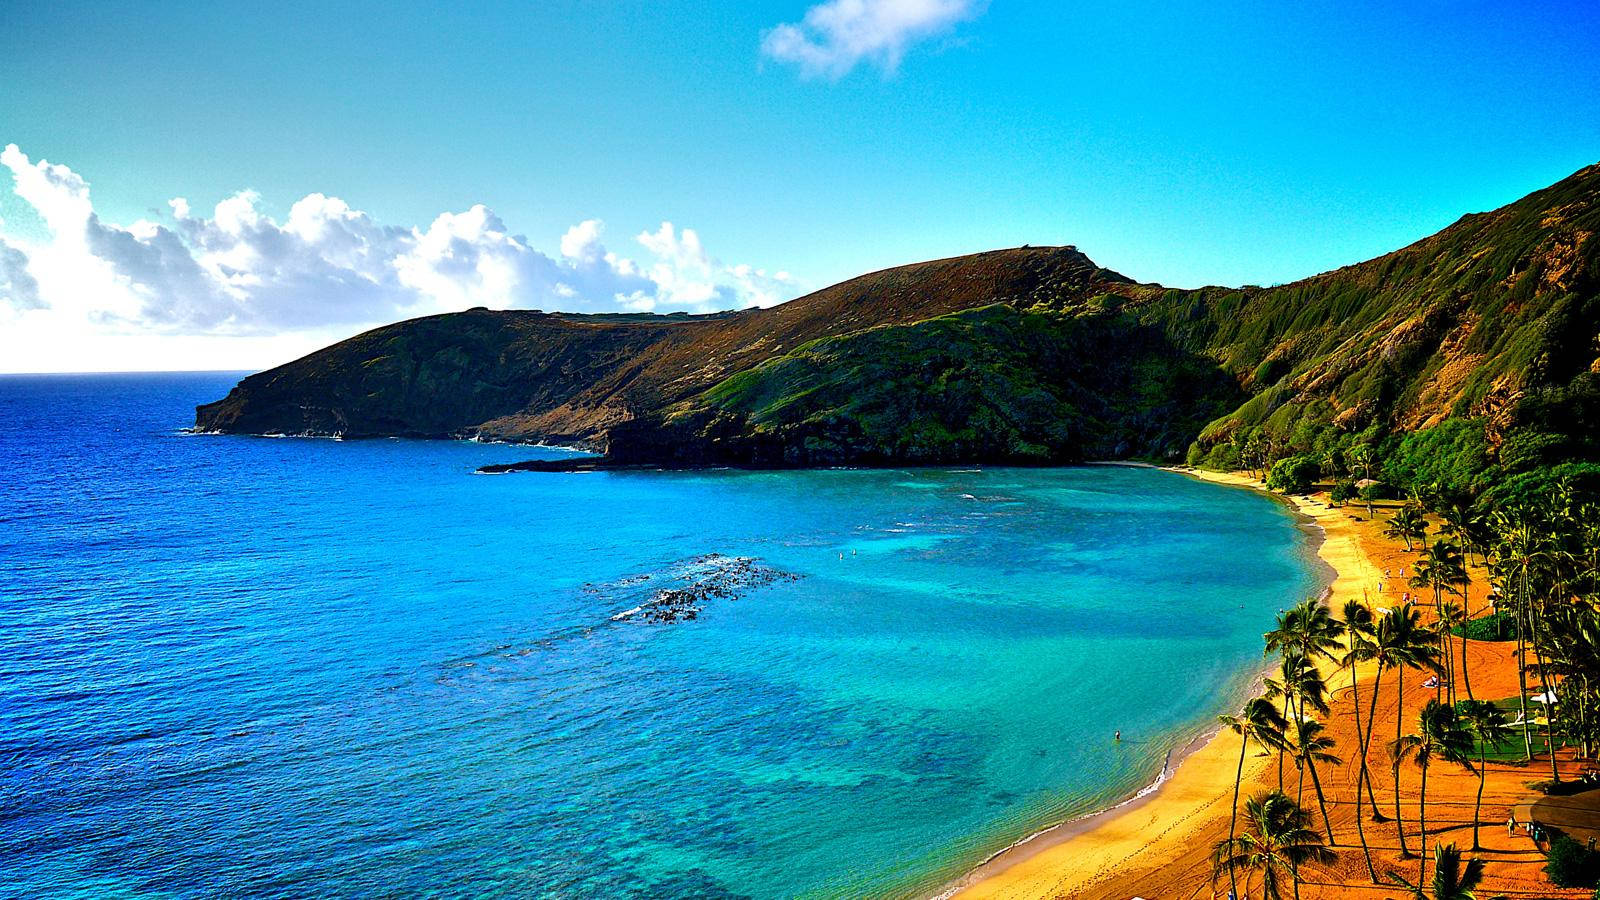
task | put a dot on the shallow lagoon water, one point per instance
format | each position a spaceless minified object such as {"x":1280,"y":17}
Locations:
{"x":261,"y":667}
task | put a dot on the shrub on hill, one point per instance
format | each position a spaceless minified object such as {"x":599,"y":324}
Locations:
{"x":1294,"y":474}
{"x":1451,"y":458}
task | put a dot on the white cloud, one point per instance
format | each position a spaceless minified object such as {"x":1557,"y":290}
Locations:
{"x":836,"y":36}
{"x":19,"y":290}
{"x":326,"y":266}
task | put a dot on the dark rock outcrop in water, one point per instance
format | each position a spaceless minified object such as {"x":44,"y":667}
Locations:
{"x":714,"y":576}
{"x":1030,"y":355}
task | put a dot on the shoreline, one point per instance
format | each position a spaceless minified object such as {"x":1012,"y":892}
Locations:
{"x":1052,"y":836}
{"x":1177,"y":802}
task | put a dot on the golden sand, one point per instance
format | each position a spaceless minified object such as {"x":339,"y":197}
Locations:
{"x":1159,"y":847}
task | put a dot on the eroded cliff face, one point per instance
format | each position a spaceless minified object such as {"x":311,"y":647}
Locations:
{"x":1023,"y":355}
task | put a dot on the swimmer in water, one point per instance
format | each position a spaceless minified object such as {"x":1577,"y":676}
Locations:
{"x":1119,"y":737}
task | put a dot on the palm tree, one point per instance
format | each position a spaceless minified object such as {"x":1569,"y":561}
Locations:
{"x":1408,"y":525}
{"x":1517,"y":557}
{"x":1276,"y":841}
{"x":1466,"y":526}
{"x":1300,"y":684}
{"x":1311,"y":746}
{"x":1441,"y":568}
{"x":1575,"y":656}
{"x":1490,"y":727}
{"x":1453,"y":617}
{"x":1258,"y":721}
{"x":1312,"y":630}
{"x":1439,"y":734}
{"x":1364,"y":457}
{"x":1451,"y":879}
{"x":1358,"y":630}
{"x":1400,"y":642}
{"x":1302,"y":633}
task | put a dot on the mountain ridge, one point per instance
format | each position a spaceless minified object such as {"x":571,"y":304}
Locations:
{"x":1022,"y":355}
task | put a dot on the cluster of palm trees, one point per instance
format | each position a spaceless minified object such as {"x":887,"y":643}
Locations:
{"x":1279,"y":834}
{"x":1543,"y":562}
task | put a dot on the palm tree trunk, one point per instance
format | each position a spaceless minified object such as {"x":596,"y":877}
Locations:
{"x":1422,"y":828}
{"x":1583,"y":716}
{"x":1361,"y":775}
{"x":1465,"y":678}
{"x":1549,"y":713}
{"x":1399,"y":706}
{"x":1286,"y":699}
{"x":1322,"y":804}
{"x":1444,"y":641}
{"x":1233,"y":818}
{"x":1364,"y":777}
{"x":1522,"y":669}
{"x":1582,"y":750}
{"x":1372,"y":719}
{"x":1546,"y":690}
{"x":1477,"y":807}
{"x":1299,"y":763}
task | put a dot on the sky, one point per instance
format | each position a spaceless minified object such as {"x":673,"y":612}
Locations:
{"x":230,"y":185}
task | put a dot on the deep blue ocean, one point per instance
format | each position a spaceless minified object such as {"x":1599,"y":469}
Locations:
{"x":253,"y":667}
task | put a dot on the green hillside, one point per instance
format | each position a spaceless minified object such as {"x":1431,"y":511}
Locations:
{"x":1460,"y":361}
{"x":1462,"y":357}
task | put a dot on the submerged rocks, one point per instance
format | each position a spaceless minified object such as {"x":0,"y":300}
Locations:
{"x":714,"y":576}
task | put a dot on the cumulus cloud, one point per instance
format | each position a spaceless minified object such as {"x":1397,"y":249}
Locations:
{"x":238,"y":271}
{"x":18,"y":288}
{"x":836,"y":36}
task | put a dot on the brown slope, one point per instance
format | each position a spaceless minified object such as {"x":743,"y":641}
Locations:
{"x":531,"y":376}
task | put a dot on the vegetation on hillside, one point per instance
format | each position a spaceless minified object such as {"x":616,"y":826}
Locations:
{"x":1465,"y":362}
{"x":994,"y":383}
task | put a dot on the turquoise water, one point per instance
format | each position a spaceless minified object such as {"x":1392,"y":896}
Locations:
{"x":253,"y":667}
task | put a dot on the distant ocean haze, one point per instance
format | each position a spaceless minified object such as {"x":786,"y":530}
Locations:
{"x":258,"y":667}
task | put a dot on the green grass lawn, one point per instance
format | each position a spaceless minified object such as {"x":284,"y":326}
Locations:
{"x":1493,"y":627}
{"x":1511,"y":750}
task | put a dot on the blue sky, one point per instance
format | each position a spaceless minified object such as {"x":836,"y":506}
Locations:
{"x":1186,"y":143}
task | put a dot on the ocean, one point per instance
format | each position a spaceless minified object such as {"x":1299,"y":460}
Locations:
{"x":253,"y":667}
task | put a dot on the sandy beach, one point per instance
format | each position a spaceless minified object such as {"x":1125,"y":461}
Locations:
{"x":1158,"y":846}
